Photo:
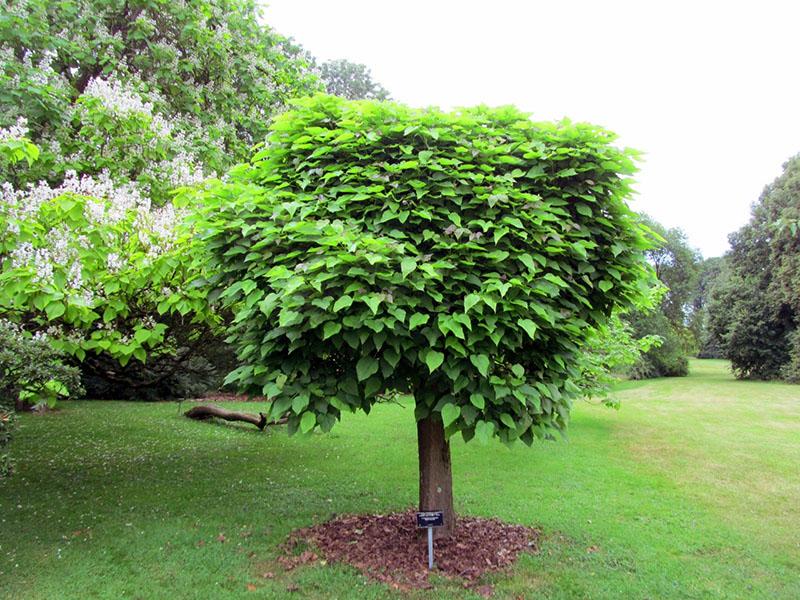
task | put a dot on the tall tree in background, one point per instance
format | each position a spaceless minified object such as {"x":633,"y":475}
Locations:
{"x":126,"y":100}
{"x":350,"y":80}
{"x":676,"y":266}
{"x":755,"y":309}
{"x":157,"y":93}
{"x":713,"y":273}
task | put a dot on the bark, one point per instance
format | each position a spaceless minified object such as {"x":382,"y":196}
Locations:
{"x":204,"y":412}
{"x":22,"y":405}
{"x":435,"y":474}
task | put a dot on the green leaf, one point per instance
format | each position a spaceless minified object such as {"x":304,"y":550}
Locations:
{"x":605,"y":285}
{"x":54,"y":310}
{"x":450,"y":412}
{"x":287,"y":317}
{"x":373,"y":302}
{"x":434,"y":360}
{"x":477,"y":400}
{"x":470,"y":301}
{"x":535,"y":172}
{"x":299,"y":402}
{"x":307,"y":422}
{"x":418,"y":319}
{"x":529,"y":326}
{"x":343,"y":302}
{"x":484,"y":431}
{"x":489,"y":301}
{"x":407,"y":265}
{"x":481,"y":362}
{"x":331,"y":328}
{"x":366,"y":367}
{"x":526,"y":260}
{"x":506,"y":419}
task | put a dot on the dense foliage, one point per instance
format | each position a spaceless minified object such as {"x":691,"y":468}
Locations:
{"x":154,"y":92}
{"x":612,"y":351}
{"x":755,"y":305}
{"x":713,"y":273}
{"x":676,"y":265}
{"x":461,"y":257}
{"x":126,"y":100}
{"x":98,"y":270}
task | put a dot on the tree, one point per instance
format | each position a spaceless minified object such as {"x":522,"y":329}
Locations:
{"x":712,"y":277}
{"x":676,"y":267}
{"x":462,"y":258}
{"x":154,"y":92}
{"x":350,"y":80}
{"x":126,"y":100}
{"x":755,"y":309}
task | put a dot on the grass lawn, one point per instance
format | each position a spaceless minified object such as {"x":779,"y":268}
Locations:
{"x":691,"y":490}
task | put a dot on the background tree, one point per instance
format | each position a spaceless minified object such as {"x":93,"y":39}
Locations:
{"x":461,"y":258}
{"x":151,"y":91}
{"x":126,"y":100}
{"x":754,"y":309}
{"x":352,"y":81}
{"x":713,"y":275}
{"x":676,"y":265}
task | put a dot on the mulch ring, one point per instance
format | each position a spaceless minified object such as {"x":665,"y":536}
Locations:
{"x":389,"y":548}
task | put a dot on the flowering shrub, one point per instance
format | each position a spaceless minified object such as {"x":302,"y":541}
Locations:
{"x":126,"y":101}
{"x":98,"y":268}
{"x":15,"y":146}
{"x":96,"y":264}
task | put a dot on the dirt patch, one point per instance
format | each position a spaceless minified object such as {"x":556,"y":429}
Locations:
{"x":389,"y":548}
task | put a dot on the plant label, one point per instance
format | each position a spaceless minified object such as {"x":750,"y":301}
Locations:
{"x":431,"y":518}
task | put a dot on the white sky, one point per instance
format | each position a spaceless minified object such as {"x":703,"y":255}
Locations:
{"x":709,"y":90}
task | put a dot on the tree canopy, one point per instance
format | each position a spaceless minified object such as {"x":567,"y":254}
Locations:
{"x":114,"y":104}
{"x":676,"y":266}
{"x":158,"y":93}
{"x":461,"y":257}
{"x":350,"y":80}
{"x":754,"y":308}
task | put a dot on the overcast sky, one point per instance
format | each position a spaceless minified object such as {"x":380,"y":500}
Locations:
{"x":709,"y":91}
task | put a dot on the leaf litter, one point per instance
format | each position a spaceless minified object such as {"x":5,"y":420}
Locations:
{"x":390,"y":549}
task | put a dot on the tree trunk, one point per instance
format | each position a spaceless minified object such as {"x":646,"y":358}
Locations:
{"x":202,"y":413}
{"x":22,"y":405}
{"x":435,"y":474}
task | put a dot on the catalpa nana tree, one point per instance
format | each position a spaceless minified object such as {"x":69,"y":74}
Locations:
{"x":462,"y":258}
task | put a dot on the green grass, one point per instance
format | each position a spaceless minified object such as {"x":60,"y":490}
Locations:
{"x":691,"y":490}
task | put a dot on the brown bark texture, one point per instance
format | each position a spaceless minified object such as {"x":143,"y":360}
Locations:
{"x":204,"y":412}
{"x":435,"y":473}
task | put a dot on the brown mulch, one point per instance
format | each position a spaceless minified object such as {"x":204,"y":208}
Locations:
{"x":389,"y":548}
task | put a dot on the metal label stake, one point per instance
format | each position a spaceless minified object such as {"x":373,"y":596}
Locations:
{"x":429,"y":520}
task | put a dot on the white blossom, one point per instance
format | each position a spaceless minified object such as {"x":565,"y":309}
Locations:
{"x":17,"y":131}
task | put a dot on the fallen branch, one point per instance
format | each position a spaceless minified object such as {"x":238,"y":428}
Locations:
{"x":201,"y":413}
